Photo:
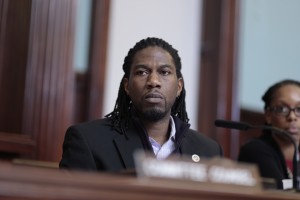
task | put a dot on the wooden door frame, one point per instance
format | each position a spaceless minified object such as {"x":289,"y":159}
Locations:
{"x":219,"y":72}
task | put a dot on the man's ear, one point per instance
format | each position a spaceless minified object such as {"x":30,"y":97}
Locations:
{"x":125,"y":84}
{"x":180,"y":86}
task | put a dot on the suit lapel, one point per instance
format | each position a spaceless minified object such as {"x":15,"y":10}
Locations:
{"x":127,"y":147}
{"x":189,"y":148}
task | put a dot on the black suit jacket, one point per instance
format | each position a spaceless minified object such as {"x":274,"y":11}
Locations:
{"x":97,"y":146}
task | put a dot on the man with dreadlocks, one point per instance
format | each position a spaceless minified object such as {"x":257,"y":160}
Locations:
{"x":149,"y":115}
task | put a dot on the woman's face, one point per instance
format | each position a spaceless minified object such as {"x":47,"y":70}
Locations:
{"x":280,"y":115}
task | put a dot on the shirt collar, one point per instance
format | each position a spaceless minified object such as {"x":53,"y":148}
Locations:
{"x":173,"y":129}
{"x":172,"y":132}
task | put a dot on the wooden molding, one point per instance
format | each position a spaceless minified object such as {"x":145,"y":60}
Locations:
{"x":97,"y":69}
{"x":50,"y":77}
{"x":218,"y":74}
{"x":16,"y":143}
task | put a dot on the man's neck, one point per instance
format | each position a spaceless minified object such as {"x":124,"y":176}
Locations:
{"x":159,"y":131}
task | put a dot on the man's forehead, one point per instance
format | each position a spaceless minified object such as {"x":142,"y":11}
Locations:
{"x":153,"y":54}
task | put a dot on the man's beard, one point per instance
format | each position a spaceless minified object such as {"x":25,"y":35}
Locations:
{"x":153,"y":115}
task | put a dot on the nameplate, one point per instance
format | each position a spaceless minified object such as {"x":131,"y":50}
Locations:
{"x":287,"y":184}
{"x":215,"y":170}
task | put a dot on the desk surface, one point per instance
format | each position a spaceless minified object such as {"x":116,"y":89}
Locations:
{"x":28,"y":182}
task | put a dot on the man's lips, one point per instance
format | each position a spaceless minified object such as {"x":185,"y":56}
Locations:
{"x":153,"y":97}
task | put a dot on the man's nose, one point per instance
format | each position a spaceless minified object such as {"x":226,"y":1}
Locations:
{"x":154,"y":80}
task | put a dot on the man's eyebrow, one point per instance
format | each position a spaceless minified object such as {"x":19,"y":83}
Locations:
{"x":168,"y":66}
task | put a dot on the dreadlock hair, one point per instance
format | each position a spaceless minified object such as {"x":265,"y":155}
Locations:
{"x":269,"y":95}
{"x":121,"y":115}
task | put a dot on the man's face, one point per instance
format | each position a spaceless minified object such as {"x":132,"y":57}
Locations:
{"x":153,"y":84}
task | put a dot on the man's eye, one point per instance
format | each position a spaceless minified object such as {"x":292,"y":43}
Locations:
{"x":297,"y":109}
{"x":141,"y":72}
{"x":165,"y":72}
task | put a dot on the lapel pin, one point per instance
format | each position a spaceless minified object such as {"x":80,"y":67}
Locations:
{"x":195,"y":158}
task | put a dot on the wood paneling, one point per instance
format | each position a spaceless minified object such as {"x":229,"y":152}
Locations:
{"x":97,"y":70}
{"x":49,"y":92}
{"x":37,"y":77}
{"x":218,"y":75}
{"x":14,"y":33}
{"x":40,"y":93}
{"x":254,"y":118}
{"x":90,"y":85}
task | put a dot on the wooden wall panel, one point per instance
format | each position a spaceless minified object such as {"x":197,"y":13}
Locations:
{"x":37,"y":77}
{"x":14,"y":33}
{"x":218,"y":75}
{"x":254,"y":118}
{"x":38,"y":85}
{"x":90,"y":85}
{"x":97,"y":70}
{"x":49,"y":90}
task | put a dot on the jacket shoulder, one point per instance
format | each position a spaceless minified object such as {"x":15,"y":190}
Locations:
{"x":257,"y":146}
{"x":94,"y":126}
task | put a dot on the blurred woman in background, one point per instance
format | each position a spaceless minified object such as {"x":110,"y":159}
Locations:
{"x":273,"y":153}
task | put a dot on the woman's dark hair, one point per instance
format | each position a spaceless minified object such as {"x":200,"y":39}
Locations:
{"x":121,"y":115}
{"x":269,"y":95}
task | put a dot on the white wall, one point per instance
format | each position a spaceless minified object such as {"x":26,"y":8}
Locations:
{"x":82,"y":35}
{"x":269,"y":47}
{"x":176,"y":21}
